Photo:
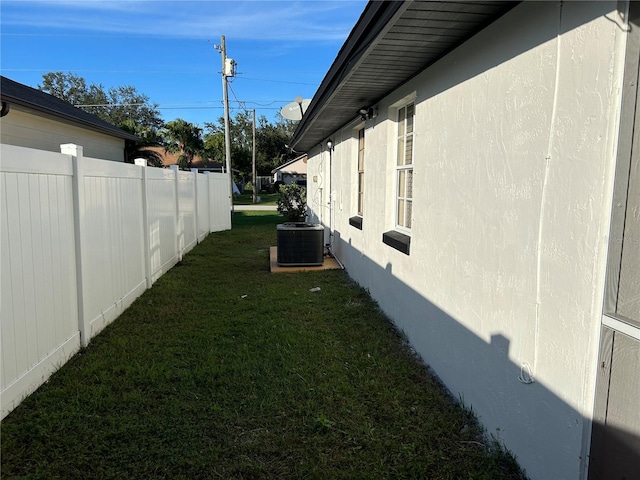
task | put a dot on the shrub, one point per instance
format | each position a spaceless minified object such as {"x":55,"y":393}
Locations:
{"x":292,"y":202}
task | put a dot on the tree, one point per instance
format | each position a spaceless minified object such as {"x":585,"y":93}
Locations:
{"x":128,"y":104}
{"x":270,"y":143}
{"x":68,"y":87}
{"x":148,"y":138}
{"x":214,"y":144}
{"x":240,"y":129}
{"x":115,"y":105}
{"x":185,"y":139}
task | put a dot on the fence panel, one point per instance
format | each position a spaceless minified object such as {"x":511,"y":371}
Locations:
{"x":80,"y":239}
{"x":219,"y":193}
{"x":187,"y":238}
{"x":39,"y":320}
{"x":161,"y":202}
{"x":113,"y":246}
{"x":202,"y":189}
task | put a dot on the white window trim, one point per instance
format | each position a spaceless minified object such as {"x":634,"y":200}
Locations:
{"x":359,"y":210}
{"x":397,"y":168}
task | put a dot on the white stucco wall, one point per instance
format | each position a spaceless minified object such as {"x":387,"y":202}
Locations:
{"x":513,"y":164}
{"x":25,"y":128}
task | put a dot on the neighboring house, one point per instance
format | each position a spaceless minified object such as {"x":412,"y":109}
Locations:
{"x":294,"y":171}
{"x":169,"y":159}
{"x":481,"y":164}
{"x":34,"y":119}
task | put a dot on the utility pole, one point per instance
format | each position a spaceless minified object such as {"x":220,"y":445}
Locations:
{"x":228,"y":70}
{"x":255,"y":193}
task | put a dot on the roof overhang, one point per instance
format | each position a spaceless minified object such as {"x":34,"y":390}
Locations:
{"x":71,"y":120}
{"x":391,"y":43}
{"x":290,"y":162}
{"x":31,"y":100}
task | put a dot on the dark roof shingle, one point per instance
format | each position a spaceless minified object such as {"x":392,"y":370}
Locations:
{"x":16,"y":93}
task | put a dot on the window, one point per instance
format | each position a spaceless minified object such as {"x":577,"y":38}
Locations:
{"x":357,"y":220}
{"x":628,"y":301}
{"x":404,"y":167}
{"x":399,"y":238}
{"x":361,"y":172}
{"x":623,"y":277}
{"x":622,"y":297}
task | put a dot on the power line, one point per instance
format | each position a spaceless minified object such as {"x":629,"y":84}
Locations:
{"x":84,"y":70}
{"x":212,"y":108}
{"x":73,"y":35}
{"x":241,"y":104}
{"x":278,"y":81}
{"x":157,"y":72}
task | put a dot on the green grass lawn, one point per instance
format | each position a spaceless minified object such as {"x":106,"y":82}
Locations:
{"x":247,"y":199}
{"x":225,"y":371}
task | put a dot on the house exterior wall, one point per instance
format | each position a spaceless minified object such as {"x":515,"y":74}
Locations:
{"x":25,"y":128}
{"x":514,"y":149}
{"x":289,"y":174}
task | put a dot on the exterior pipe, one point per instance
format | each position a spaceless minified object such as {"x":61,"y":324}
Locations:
{"x":330,"y":249}
{"x":330,"y":245}
{"x":330,"y":149}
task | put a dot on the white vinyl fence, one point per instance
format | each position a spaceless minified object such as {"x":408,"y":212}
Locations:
{"x":81,"y":238}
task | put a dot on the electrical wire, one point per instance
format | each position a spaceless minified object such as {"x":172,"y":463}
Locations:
{"x":279,"y":81}
{"x":159,"y":72}
{"x":152,"y":72}
{"x":241,"y":104}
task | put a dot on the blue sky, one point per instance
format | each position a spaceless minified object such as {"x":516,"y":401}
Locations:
{"x":165,"y":49}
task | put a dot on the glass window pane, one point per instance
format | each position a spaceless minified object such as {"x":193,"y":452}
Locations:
{"x":408,"y":158}
{"x":401,"y":149}
{"x":401,"y":117}
{"x":401,"y":212}
{"x":401,"y":183}
{"x":409,"y":189}
{"x":360,"y":200}
{"x":409,"y":118}
{"x":408,"y":215}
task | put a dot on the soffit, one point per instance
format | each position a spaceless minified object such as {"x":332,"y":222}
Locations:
{"x":389,"y":45}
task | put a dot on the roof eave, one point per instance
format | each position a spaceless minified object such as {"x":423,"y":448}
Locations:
{"x":374,"y":18}
{"x":342,"y":92}
{"x":116,"y":132}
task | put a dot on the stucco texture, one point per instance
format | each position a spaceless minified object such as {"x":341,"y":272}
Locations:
{"x":513,"y":162}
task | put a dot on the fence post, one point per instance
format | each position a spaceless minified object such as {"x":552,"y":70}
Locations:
{"x":179,"y":239}
{"x":195,"y":194}
{"x":210,"y":199}
{"x":208,"y":177}
{"x":79,"y":214}
{"x":145,"y":217}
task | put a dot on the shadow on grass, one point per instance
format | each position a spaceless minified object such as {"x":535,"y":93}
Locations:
{"x":223,"y":370}
{"x":256,"y":218}
{"x":247,"y":199}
